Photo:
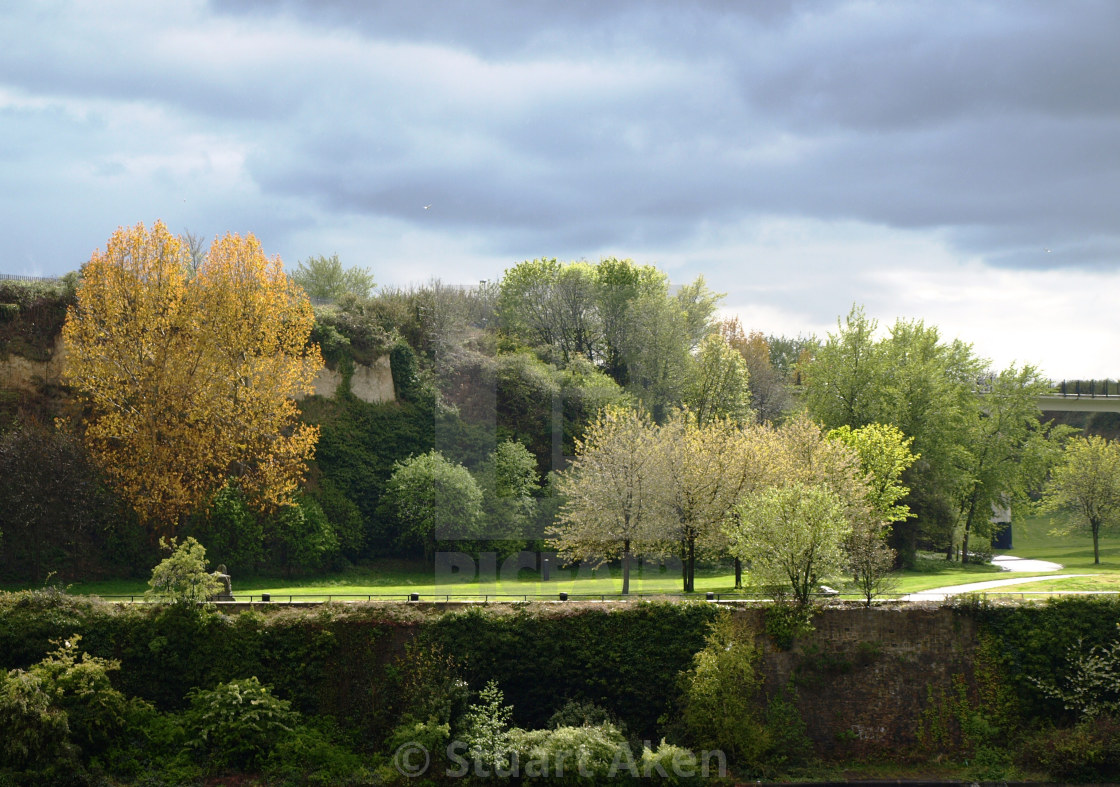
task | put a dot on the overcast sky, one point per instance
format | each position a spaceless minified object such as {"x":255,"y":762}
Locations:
{"x":957,"y":162}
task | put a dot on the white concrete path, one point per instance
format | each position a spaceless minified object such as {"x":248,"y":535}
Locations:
{"x":1007,"y":563}
{"x":1011,"y":563}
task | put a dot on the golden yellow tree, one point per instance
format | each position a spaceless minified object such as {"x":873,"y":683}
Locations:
{"x":190,"y":375}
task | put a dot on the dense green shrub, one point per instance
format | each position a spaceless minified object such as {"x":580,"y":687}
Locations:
{"x":78,"y":684}
{"x":485,"y":730}
{"x":723,"y":693}
{"x":239,"y":723}
{"x":1034,"y":641}
{"x":231,"y":530}
{"x":1090,"y":684}
{"x":594,"y":654}
{"x":1087,"y":752}
{"x":36,"y":731}
{"x":182,"y":577}
{"x":587,"y":754}
{"x":300,"y":538}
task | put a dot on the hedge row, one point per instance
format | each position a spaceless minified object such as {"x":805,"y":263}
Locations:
{"x":348,"y":661}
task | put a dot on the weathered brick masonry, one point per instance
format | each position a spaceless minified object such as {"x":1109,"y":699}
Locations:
{"x":864,"y":675}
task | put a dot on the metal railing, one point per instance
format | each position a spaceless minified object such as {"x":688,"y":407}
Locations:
{"x":21,"y":277}
{"x":287,"y":599}
{"x":1091,"y":389}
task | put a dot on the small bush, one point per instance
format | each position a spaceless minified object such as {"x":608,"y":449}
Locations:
{"x":1087,"y":752}
{"x":80,"y":687}
{"x":36,"y":732}
{"x":569,"y":755}
{"x":787,"y":622}
{"x":182,"y":578}
{"x":676,"y":765}
{"x":486,"y":728}
{"x":239,"y":723}
{"x":310,"y":755}
{"x":723,"y":694}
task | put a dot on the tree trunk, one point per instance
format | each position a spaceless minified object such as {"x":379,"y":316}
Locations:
{"x":738,"y":574}
{"x":1096,"y":526}
{"x":684,"y":565}
{"x":968,"y":530}
{"x":691,"y":566}
{"x":626,"y":567}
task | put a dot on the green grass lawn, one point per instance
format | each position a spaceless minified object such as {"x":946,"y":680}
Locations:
{"x":399,"y":578}
{"x":396,"y":579}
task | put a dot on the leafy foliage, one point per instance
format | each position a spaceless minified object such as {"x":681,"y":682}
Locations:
{"x":977,"y":433}
{"x":324,"y":277}
{"x":609,"y":490}
{"x":793,"y":537}
{"x":1091,"y":683}
{"x":485,"y":729}
{"x":51,"y":502}
{"x":723,"y":693}
{"x":1087,"y":752}
{"x":1087,"y":482}
{"x":182,"y":578}
{"x":190,"y":378}
{"x":239,"y":723}
{"x":719,"y":384}
{"x":35,"y":731}
{"x":594,"y":655}
{"x":433,"y":499}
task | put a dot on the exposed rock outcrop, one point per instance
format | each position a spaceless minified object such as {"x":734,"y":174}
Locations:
{"x":372,"y":383}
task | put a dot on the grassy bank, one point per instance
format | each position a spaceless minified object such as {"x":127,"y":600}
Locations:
{"x":1033,"y":538}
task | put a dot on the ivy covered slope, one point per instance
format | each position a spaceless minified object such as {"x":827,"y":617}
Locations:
{"x":978,"y":692}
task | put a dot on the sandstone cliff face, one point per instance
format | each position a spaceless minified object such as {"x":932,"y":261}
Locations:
{"x":19,"y":373}
{"x":372,"y":384}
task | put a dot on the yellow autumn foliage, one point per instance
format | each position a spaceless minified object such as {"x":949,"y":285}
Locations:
{"x":190,"y":375}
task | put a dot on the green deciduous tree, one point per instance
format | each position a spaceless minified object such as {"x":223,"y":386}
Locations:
{"x":974,"y":447}
{"x":610,"y":491}
{"x":433,"y":499}
{"x":769,"y":388}
{"x":324,"y":277}
{"x":884,"y":455}
{"x":508,"y":480}
{"x":718,"y":386}
{"x":792,"y":536}
{"x":619,"y":285}
{"x":546,"y":303}
{"x":704,"y":471}
{"x":1087,"y":484}
{"x":618,"y":315}
{"x":843,"y":381}
{"x":1006,"y":452}
{"x":182,"y":577}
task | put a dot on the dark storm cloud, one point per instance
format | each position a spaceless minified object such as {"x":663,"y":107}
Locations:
{"x":582,"y":125}
{"x":997,"y":123}
{"x":500,"y":28}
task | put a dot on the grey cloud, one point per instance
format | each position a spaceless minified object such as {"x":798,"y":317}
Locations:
{"x":584,"y":125}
